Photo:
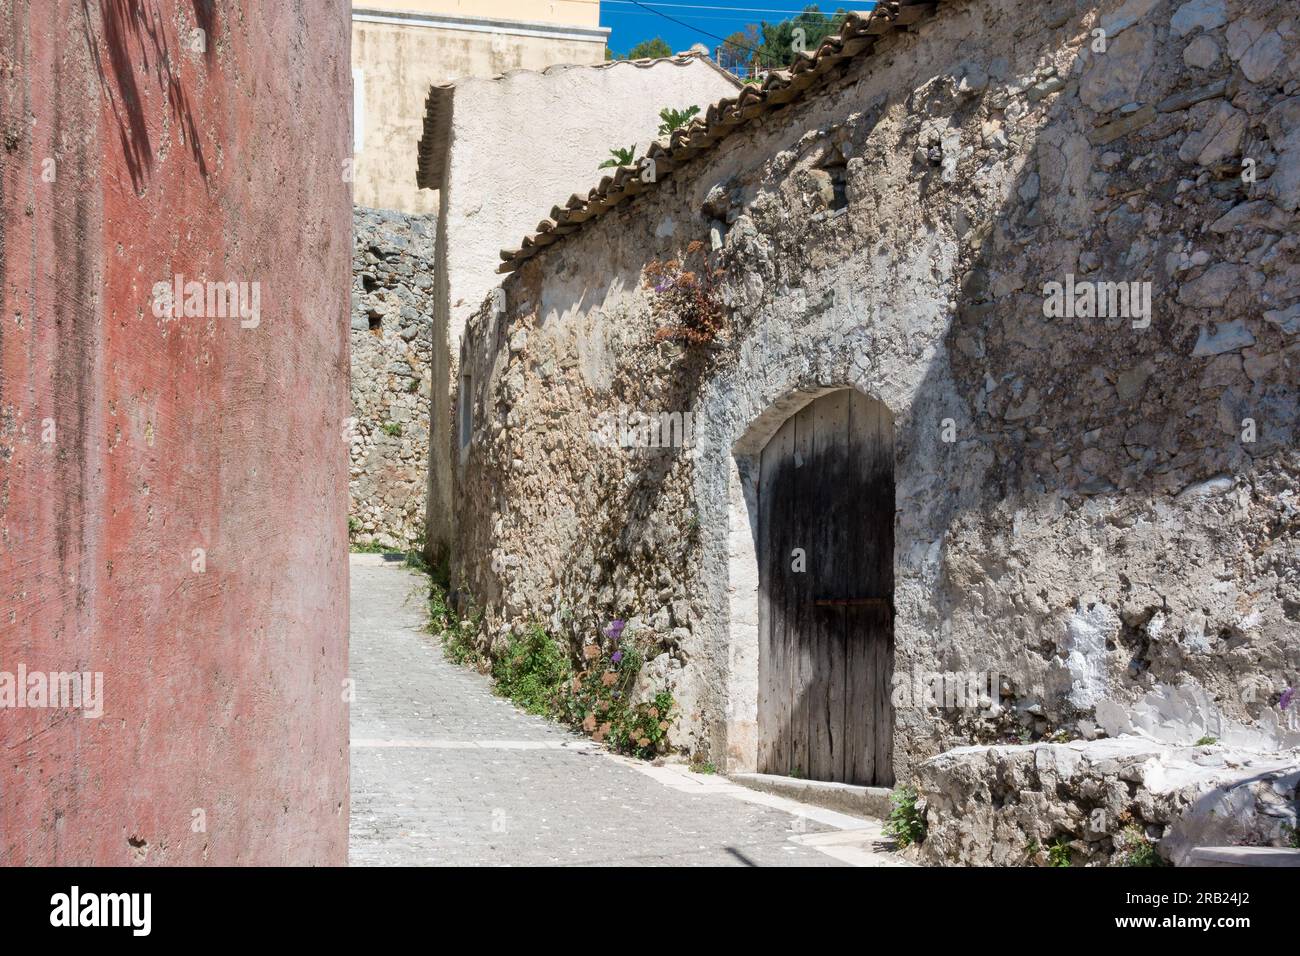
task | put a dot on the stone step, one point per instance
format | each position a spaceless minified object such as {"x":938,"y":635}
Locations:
{"x":1243,"y":856}
{"x":845,"y":797}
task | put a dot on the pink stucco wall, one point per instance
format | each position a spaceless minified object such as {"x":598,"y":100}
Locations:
{"x":223,"y":737}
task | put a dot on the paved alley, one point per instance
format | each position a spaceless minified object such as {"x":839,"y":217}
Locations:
{"x":446,"y":773}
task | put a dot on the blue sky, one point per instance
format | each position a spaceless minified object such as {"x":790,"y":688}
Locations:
{"x":632,"y":23}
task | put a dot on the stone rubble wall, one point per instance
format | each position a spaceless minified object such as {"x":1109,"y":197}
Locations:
{"x":392,"y":343}
{"x":1004,"y":806}
{"x":1099,"y":523}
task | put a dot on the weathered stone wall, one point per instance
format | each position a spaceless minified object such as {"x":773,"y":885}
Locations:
{"x":1081,"y":505}
{"x":503,"y":151}
{"x":392,"y":322}
{"x":1005,"y":806}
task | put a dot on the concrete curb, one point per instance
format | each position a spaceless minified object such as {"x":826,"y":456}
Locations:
{"x":374,"y":560}
{"x":860,"y":801}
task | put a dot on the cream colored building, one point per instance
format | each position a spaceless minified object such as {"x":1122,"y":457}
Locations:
{"x":401,"y":48}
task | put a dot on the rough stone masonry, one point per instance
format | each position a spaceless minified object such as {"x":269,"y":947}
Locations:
{"x":1097,"y":502}
{"x":392,"y":314}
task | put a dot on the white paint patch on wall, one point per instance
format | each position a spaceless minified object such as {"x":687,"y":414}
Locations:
{"x":1086,"y":634}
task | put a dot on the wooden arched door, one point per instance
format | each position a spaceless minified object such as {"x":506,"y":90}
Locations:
{"x":826,"y":585}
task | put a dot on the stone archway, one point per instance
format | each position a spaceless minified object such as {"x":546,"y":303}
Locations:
{"x":811,"y":533}
{"x":825,"y":557}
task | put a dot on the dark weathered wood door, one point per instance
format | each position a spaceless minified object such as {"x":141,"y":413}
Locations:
{"x":826,"y":585}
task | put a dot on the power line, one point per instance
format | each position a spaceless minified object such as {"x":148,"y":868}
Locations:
{"x":712,"y":36}
{"x":640,"y":13}
{"x":696,"y":6}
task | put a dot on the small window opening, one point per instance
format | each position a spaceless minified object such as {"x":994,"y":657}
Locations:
{"x":838,"y":177}
{"x":837,"y":166}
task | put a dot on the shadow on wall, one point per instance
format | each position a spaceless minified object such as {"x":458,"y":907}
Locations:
{"x":1111,"y":408}
{"x":1108,"y":413}
{"x":627,"y":528}
{"x":1105,"y":413}
{"x":129,"y":23}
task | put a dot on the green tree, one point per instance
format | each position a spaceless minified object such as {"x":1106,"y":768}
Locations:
{"x":777,"y":49}
{"x":648,"y":49}
{"x":736,"y":53}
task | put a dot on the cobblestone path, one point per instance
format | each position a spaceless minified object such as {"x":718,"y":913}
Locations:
{"x":446,"y":773}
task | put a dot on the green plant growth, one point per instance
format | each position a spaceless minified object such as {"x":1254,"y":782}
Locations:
{"x":392,"y":428}
{"x":533,"y":672}
{"x":670,"y":119}
{"x":780,"y":43}
{"x":455,"y":632}
{"x":537,"y":673}
{"x":738,"y":52}
{"x":371,"y":548}
{"x":1136,"y":850}
{"x":906,"y":824}
{"x":1058,"y":853}
{"x":1291,"y":835}
{"x":1207,"y":741}
{"x":640,"y":730}
{"x":620,"y":157}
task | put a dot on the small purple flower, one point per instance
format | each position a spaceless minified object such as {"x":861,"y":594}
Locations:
{"x":1288,"y":695}
{"x":663,"y":285}
{"x":616,"y":657}
{"x":615,"y":630}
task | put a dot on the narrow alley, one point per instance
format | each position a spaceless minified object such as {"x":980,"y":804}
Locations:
{"x":446,"y":773}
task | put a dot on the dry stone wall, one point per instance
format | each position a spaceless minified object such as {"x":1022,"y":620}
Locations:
{"x":1092,"y":502}
{"x":1095,"y":802}
{"x":392,"y":309}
